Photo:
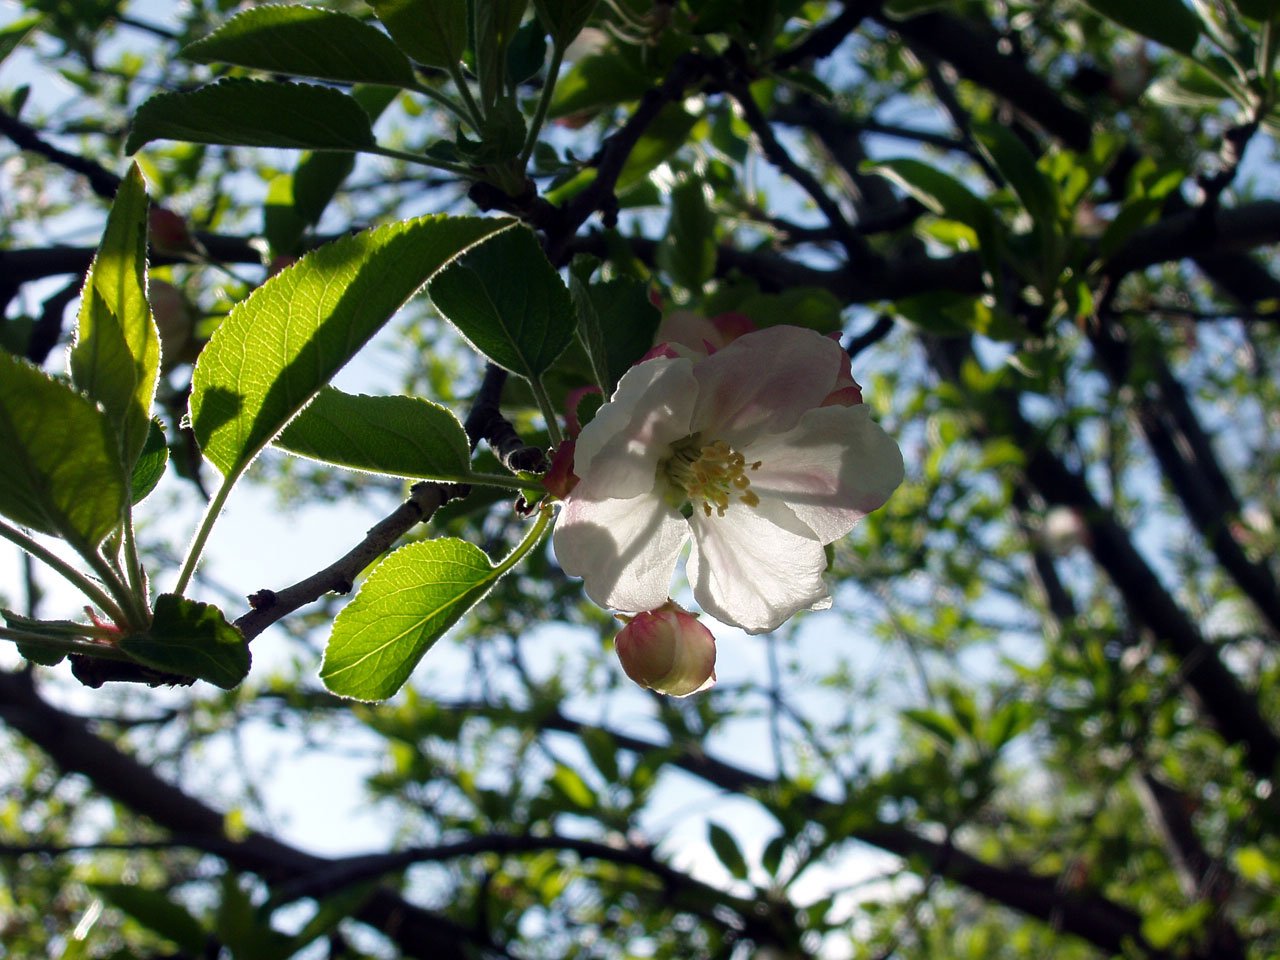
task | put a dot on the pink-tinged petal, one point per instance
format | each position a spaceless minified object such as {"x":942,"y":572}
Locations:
{"x":835,"y":467}
{"x":732,"y":325}
{"x":625,"y":550}
{"x":756,"y":566}
{"x":689,"y":329}
{"x":617,"y":453}
{"x":846,"y":392}
{"x":764,"y":382}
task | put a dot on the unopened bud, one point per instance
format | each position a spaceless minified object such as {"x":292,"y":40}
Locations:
{"x":169,"y":232}
{"x":669,"y":651}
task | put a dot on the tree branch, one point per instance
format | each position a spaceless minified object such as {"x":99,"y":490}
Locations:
{"x":119,"y":776}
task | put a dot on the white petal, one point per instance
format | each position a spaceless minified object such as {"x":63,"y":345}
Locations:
{"x":625,"y":550}
{"x":833,"y":469}
{"x":756,"y":566}
{"x":763,"y":383}
{"x":618,"y":452}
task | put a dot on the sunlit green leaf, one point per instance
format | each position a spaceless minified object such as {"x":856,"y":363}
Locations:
{"x":62,"y":470}
{"x":158,"y":913}
{"x":116,"y":356}
{"x":277,"y":348}
{"x":405,"y":606}
{"x":151,"y":463}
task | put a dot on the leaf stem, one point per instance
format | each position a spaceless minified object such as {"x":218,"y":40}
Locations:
{"x":65,"y":570}
{"x":136,"y":612}
{"x":497,"y":480}
{"x":65,"y":644}
{"x":202,"y":533}
{"x":454,"y":168}
{"x":464,"y":91}
{"x":548,"y":411}
{"x":443,"y":100}
{"x":544,"y":102}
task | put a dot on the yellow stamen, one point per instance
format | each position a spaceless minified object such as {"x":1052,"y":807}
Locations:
{"x":710,"y":474}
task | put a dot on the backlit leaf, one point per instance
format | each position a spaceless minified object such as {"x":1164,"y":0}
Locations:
{"x":116,"y":357}
{"x":62,"y":471}
{"x":402,"y":609}
{"x":278,"y":347}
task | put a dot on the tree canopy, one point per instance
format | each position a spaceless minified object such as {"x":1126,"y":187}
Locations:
{"x":367,"y":367}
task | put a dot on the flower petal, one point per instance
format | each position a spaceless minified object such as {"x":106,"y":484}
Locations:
{"x":756,"y":566}
{"x":618,"y":452}
{"x":625,"y":550}
{"x":834,"y":468}
{"x":764,"y":382}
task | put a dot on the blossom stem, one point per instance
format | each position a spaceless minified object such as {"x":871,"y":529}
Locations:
{"x":531,"y":540}
{"x":548,"y":411}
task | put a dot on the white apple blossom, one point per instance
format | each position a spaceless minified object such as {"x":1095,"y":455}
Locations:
{"x":761,"y":453}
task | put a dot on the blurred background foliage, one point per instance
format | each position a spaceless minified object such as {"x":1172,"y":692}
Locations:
{"x":1043,"y":717}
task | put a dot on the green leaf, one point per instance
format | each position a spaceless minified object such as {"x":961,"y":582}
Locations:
{"x":941,"y":726}
{"x":564,"y":19}
{"x":599,"y":81}
{"x":192,"y":639}
{"x":11,"y":35}
{"x":116,"y":356}
{"x":527,"y":53}
{"x":688,"y":251}
{"x":774,"y":850}
{"x":433,"y":32}
{"x":569,"y":784}
{"x":155,"y":911}
{"x":255,"y":113}
{"x":1012,"y":158}
{"x":279,"y":346}
{"x":62,"y":471}
{"x":942,"y":193}
{"x":628,"y":321}
{"x":664,"y":136}
{"x":509,"y":302}
{"x":1165,"y":21}
{"x":496,"y":23}
{"x":405,"y":606}
{"x":591,"y":334}
{"x":305,"y":41}
{"x":297,"y":201}
{"x":1261,"y":10}
{"x":151,"y":463}
{"x":727,"y":850}
{"x":399,"y":436}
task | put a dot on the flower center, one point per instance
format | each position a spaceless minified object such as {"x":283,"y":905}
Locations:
{"x":709,"y":474}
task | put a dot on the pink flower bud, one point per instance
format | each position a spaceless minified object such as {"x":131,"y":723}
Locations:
{"x":169,"y":232}
{"x":668,"y":650}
